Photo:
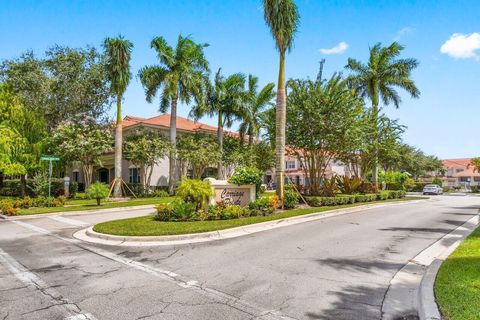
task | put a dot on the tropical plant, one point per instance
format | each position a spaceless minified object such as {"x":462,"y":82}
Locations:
{"x":378,"y":79}
{"x":255,"y":104}
{"x":282,"y":18}
{"x":349,"y":185}
{"x":180,"y":75}
{"x":195,"y":191}
{"x":97,"y":191}
{"x":329,"y":186}
{"x":223,"y":98}
{"x":118,"y":53}
{"x":145,"y":149}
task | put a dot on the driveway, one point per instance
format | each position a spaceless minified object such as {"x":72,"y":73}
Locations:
{"x":336,"y":268}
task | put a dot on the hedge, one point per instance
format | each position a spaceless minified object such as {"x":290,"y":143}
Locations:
{"x":349,"y":199}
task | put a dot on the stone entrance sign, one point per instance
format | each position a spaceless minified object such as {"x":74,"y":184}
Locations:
{"x":231,"y":193}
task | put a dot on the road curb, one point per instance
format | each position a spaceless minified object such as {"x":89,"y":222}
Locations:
{"x":89,"y":235}
{"x":76,"y":213}
{"x":412,"y":288}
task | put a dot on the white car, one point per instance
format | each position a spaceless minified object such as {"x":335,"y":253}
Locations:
{"x":432,"y":189}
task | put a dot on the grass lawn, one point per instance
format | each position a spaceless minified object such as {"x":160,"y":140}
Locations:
{"x":457,"y":287}
{"x":91,"y":204}
{"x":147,"y":226}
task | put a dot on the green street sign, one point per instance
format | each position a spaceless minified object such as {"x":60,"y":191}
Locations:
{"x":50,"y":158}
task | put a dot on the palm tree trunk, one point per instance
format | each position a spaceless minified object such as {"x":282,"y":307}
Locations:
{"x":281,"y":114}
{"x":376,"y":141}
{"x":172,"y":179}
{"x":220,"y":169}
{"x":117,"y":189}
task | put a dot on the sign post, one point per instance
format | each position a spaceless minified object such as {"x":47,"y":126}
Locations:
{"x":50,"y":169}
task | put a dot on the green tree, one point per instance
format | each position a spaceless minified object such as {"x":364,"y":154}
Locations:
{"x":22,"y":139}
{"x":476,"y":163}
{"x":282,"y":18}
{"x":223,"y":98}
{"x":197,"y":152}
{"x":322,"y":118}
{"x":145,"y":149}
{"x":180,"y":76}
{"x":379,"y":79}
{"x":62,"y":84}
{"x":255,"y":104}
{"x":118,"y":53}
{"x":83,"y":141}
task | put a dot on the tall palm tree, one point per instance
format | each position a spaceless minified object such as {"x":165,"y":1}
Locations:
{"x":282,"y":18}
{"x":255,"y":104}
{"x":180,"y":75}
{"x":118,"y":53}
{"x":223,"y":98}
{"x":378,"y":80}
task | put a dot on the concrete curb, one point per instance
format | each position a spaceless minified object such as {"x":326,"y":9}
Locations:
{"x":76,"y":213}
{"x":89,"y":235}
{"x":412,"y":288}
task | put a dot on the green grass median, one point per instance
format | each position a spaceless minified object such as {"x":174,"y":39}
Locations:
{"x":457,"y":287}
{"x":91,"y":204}
{"x":148,"y":226}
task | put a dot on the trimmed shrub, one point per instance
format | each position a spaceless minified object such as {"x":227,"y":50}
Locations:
{"x":177,"y":210}
{"x":159,"y":193}
{"x":73,"y":189}
{"x":383,"y":195}
{"x":260,"y":207}
{"x":291,"y":197}
{"x":233,"y":212}
{"x":24,"y":203}
{"x":7,"y":207}
{"x":97,"y":191}
{"x":248,"y":175}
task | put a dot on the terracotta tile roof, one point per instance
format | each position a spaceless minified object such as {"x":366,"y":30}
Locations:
{"x":164,"y":121}
{"x":465,"y":164}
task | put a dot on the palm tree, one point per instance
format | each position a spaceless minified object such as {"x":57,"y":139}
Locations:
{"x":225,"y":99}
{"x":256,"y":102}
{"x":378,"y":79}
{"x":118,"y":52}
{"x":180,"y":76}
{"x":282,"y":18}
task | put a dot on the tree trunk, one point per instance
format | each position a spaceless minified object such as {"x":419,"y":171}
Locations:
{"x":172,"y":179}
{"x":376,"y":141}
{"x":280,"y":129}
{"x":220,"y":169}
{"x":23,"y":185}
{"x":117,"y":189}
{"x":87,"y":174}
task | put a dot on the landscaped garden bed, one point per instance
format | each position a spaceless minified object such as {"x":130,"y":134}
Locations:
{"x":457,"y":287}
{"x":152,"y":226}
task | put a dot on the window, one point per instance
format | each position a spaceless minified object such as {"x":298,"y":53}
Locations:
{"x":134,"y":175}
{"x":75,"y":176}
{"x":464,"y":179}
{"x":476,"y":179}
{"x":458,"y":170}
{"x":290,"y":164}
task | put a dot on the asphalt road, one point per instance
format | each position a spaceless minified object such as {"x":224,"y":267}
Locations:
{"x":336,"y":268}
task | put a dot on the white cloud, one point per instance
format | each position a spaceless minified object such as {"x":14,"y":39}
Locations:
{"x":462,"y":46}
{"x":338,"y":49}
{"x":402,"y":32}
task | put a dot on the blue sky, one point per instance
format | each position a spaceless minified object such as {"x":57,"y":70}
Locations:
{"x":444,"y":121}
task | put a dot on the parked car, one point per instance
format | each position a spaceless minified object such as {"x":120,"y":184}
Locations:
{"x":432,"y":189}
